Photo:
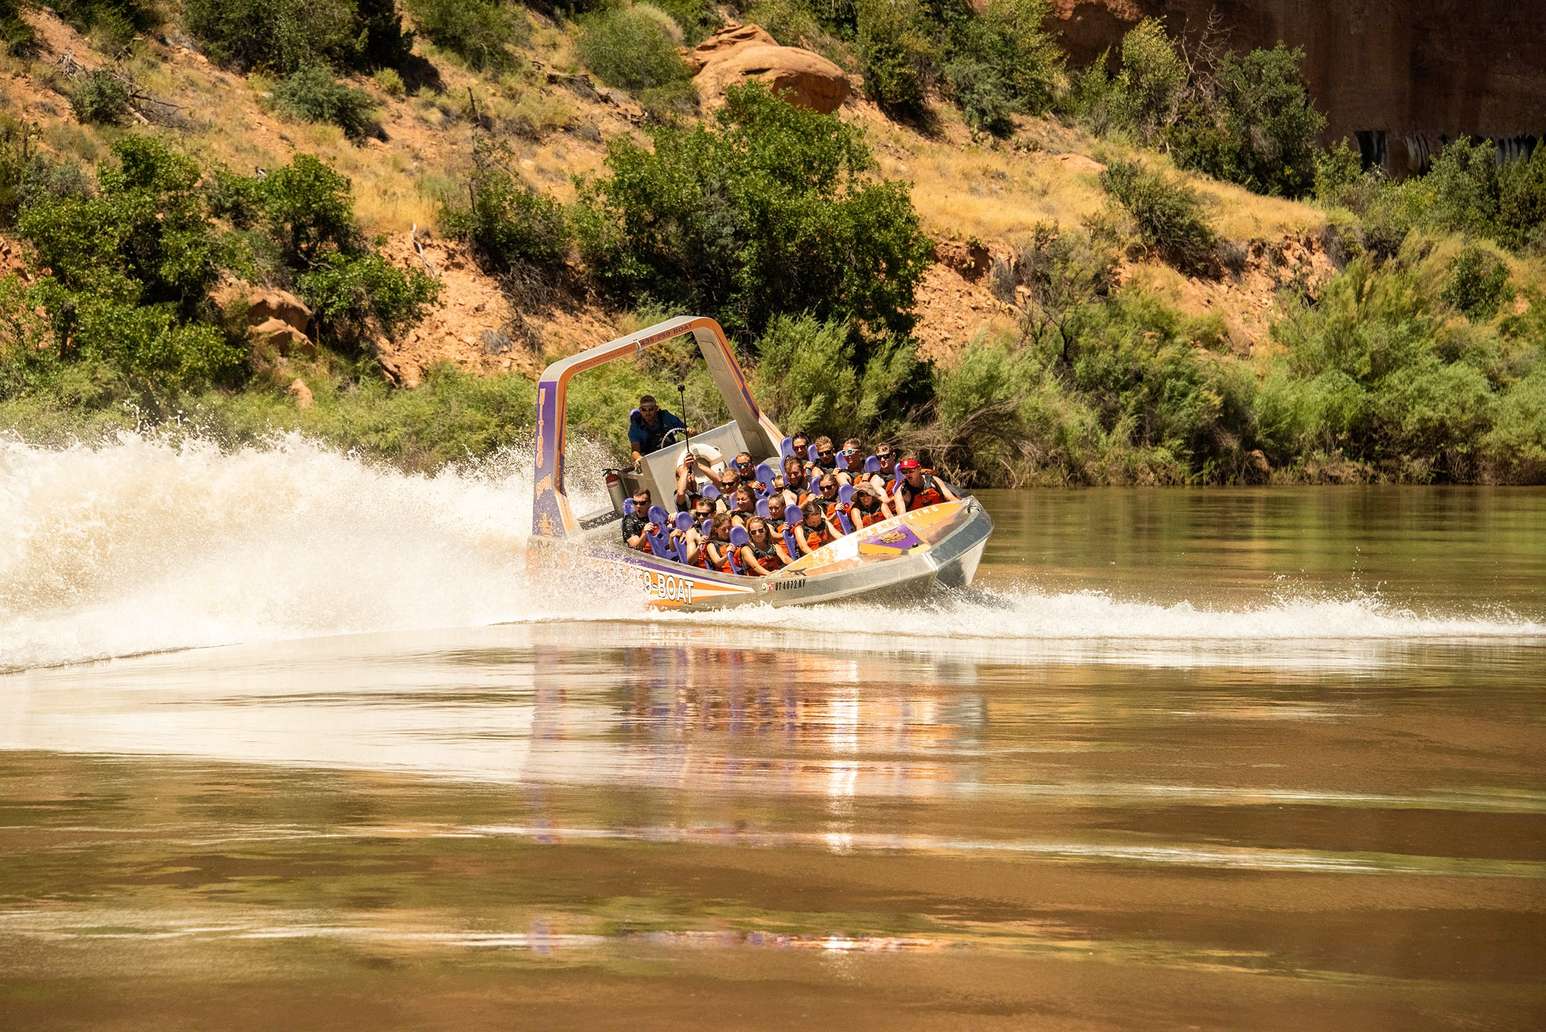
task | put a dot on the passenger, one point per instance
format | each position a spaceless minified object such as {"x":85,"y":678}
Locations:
{"x":795,"y":480}
{"x":828,"y":498}
{"x":702,"y":509}
{"x":854,"y":456}
{"x":813,"y":530}
{"x":800,"y":446}
{"x":778,"y":513}
{"x":919,"y":488}
{"x":717,"y":550}
{"x":766,"y":553}
{"x":636,"y":525}
{"x":826,"y":455}
{"x":869,"y":505}
{"x":887,"y":474}
{"x":648,"y":425}
{"x":744,"y":505}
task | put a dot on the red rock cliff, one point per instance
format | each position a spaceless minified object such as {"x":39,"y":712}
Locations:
{"x":1398,"y":75}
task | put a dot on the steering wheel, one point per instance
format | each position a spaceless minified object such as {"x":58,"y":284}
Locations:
{"x":676,"y":435}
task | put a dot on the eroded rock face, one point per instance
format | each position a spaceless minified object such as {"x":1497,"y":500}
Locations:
{"x":1397,"y":77}
{"x":278,"y":304}
{"x":746,"y":53}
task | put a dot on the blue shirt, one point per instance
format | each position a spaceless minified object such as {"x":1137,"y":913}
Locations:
{"x":646,"y":439}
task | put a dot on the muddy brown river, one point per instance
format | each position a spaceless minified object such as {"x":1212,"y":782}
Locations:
{"x":1183,"y":759}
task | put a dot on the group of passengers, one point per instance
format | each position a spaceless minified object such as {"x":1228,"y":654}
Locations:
{"x":812,"y":496}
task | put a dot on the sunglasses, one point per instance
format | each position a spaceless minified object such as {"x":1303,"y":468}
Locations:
{"x":884,"y":456}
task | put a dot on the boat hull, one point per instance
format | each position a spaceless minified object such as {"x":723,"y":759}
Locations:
{"x":909,"y":555}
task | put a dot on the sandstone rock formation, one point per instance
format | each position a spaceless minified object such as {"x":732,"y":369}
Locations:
{"x":746,"y":53}
{"x":278,"y":304}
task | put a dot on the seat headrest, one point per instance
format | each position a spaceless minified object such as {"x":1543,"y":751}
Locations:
{"x":683,"y":520}
{"x":845,"y":494}
{"x":659,"y":516}
{"x":739,"y":537}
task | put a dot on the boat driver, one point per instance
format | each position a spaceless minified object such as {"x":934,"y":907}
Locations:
{"x":919,"y":488}
{"x":648,"y":425}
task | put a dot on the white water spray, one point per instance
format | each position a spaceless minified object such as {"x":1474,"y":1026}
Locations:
{"x":144,"y":544}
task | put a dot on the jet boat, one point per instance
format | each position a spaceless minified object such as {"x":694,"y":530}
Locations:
{"x":938,"y":546}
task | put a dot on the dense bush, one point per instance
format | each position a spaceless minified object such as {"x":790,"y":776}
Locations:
{"x":347,"y":292}
{"x":810,"y":375}
{"x":314,"y":95}
{"x":1374,"y":372}
{"x":287,"y":35}
{"x":16,"y":36}
{"x":631,"y":48}
{"x":507,"y":222}
{"x":1169,"y":215}
{"x":480,"y":32}
{"x":897,"y":54}
{"x":1247,"y":118}
{"x":981,"y":93}
{"x":695,"y":18}
{"x":1010,"y":55}
{"x":118,"y":21}
{"x":769,"y":209}
{"x":1478,"y":283}
{"x":27,"y":174}
{"x":100,"y":97}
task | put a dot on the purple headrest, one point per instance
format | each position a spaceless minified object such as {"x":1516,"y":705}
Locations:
{"x":711,"y":492}
{"x":739,"y":537}
{"x":845,"y":494}
{"x":872,"y":464}
{"x":842,"y":460}
{"x":627,"y":506}
{"x":787,"y":448}
{"x":659,"y":516}
{"x":683,"y":520}
{"x":815,"y":485}
{"x":764,"y":473}
{"x":811,"y":452}
{"x":762,"y":507}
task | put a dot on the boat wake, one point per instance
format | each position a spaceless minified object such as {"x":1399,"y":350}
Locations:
{"x":146,"y":543}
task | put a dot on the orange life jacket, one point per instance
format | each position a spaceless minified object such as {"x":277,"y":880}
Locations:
{"x":867,"y":519}
{"x":925,"y":496}
{"x":814,"y":539}
{"x":769,"y":560}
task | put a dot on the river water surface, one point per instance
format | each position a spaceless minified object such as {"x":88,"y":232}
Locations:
{"x":286,"y":741}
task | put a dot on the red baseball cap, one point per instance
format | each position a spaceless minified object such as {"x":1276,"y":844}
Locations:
{"x":907,"y":464}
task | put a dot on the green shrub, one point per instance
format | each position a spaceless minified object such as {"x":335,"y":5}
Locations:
{"x":287,"y":35}
{"x":16,"y":36}
{"x":805,"y":375}
{"x":118,"y":21}
{"x":1261,"y":132}
{"x":345,"y":291}
{"x":694,"y":18}
{"x":1337,"y":170}
{"x":1169,"y":215}
{"x":390,"y":82}
{"x":1152,"y":82}
{"x":146,"y":239}
{"x":1513,"y":450}
{"x":313,"y":95}
{"x":1007,"y":38}
{"x":480,"y":32}
{"x":981,"y":94}
{"x":308,"y":208}
{"x":1522,"y":203}
{"x":629,"y":48}
{"x":26,"y":174}
{"x":896,"y":54}
{"x":1478,"y":283}
{"x":100,"y":97}
{"x":769,"y":209}
{"x":506,"y":222}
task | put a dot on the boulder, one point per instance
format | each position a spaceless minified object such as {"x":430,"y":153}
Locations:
{"x":264,"y":305}
{"x":301,"y":393}
{"x":718,"y":46}
{"x":802,"y":78}
{"x":272,"y":342}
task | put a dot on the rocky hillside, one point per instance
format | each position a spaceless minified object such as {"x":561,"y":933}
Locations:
{"x":978,"y":196}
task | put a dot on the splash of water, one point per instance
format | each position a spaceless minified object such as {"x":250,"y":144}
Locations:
{"x":145,"y":543}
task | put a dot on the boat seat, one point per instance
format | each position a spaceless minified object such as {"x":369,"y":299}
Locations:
{"x":762,"y":507}
{"x":872,"y":465}
{"x":739,"y":539}
{"x":845,"y":495}
{"x":786,"y":449}
{"x":791,"y":543}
